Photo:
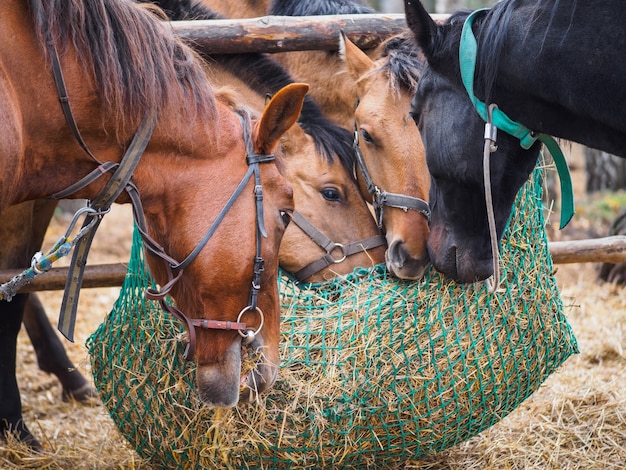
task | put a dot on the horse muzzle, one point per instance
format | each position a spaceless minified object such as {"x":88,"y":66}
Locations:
{"x":243,"y":373}
{"x":462,"y":263}
{"x":402,"y":265}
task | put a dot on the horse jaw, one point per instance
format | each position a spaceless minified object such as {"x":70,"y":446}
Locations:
{"x":222,"y":384}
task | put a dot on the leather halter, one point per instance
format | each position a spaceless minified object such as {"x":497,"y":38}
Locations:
{"x":121,"y":180}
{"x":329,"y":246}
{"x":175,"y":269}
{"x":380,"y":199}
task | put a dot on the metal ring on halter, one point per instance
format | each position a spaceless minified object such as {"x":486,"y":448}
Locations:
{"x":250,"y":335}
{"x":343,"y":252}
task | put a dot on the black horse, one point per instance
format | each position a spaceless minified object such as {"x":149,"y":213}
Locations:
{"x":554,"y":66}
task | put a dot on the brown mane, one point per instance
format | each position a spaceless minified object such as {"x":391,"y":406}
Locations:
{"x":137,"y":62}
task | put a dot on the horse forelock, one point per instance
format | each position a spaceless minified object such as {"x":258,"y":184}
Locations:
{"x":331,"y":140}
{"x":402,"y":62}
{"x":137,"y":62}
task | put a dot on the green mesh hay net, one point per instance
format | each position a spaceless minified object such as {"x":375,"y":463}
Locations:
{"x":374,"y":372}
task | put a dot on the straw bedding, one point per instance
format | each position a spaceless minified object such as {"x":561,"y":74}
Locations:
{"x":374,"y":371}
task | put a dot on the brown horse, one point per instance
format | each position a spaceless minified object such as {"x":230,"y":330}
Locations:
{"x":384,"y":85}
{"x":332,"y":231}
{"x":391,"y":156}
{"x":240,"y":8}
{"x":194,"y":160}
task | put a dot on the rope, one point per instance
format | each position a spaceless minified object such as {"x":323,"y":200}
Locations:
{"x":490,"y":147}
{"x":41,"y":263}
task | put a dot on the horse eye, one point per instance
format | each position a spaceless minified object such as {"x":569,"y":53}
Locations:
{"x":366,"y":136}
{"x":331,"y":194}
{"x":286,"y":216}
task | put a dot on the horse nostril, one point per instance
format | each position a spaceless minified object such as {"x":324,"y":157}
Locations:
{"x":396,"y":253}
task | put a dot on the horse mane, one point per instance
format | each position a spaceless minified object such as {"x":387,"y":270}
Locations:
{"x":402,"y":62}
{"x":493,"y":31}
{"x":134,"y":58}
{"x":319,"y":7}
{"x":266,"y":77}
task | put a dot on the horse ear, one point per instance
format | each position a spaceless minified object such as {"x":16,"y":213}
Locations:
{"x":279,"y":115}
{"x":357,"y":62}
{"x":422,"y":25}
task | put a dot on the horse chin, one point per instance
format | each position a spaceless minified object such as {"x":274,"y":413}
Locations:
{"x":403,"y":266}
{"x":224,"y":385}
{"x":256,"y":382}
{"x":460,"y":266}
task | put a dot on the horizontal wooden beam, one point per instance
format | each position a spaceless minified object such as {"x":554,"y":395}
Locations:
{"x":289,"y":33}
{"x":595,"y":250}
{"x":99,"y":275}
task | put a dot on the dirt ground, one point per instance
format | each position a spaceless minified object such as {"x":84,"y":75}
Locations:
{"x":576,"y":420}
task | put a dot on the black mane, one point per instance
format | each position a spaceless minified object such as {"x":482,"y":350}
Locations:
{"x":318,"y":7}
{"x":267,"y":77}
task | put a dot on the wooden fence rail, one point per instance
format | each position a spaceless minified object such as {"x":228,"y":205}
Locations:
{"x":290,"y":33}
{"x":608,"y":249}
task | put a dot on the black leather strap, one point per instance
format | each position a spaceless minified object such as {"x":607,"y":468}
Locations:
{"x":329,"y":246}
{"x":114,"y":187}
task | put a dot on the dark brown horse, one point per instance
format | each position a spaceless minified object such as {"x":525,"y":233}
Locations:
{"x":192,"y":164}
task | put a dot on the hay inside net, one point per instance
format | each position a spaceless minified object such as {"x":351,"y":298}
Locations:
{"x":374,"y":372}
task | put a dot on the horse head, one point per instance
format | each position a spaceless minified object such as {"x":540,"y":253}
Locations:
{"x":392,"y":167}
{"x":233,"y":280}
{"x":332,"y":231}
{"x":453,"y":136}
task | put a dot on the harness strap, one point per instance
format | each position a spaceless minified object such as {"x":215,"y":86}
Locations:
{"x":401,"y":201}
{"x":101,"y":170}
{"x":63,"y":96}
{"x":116,"y":184}
{"x":467,"y":61}
{"x":329,"y":246}
{"x":384,"y":198}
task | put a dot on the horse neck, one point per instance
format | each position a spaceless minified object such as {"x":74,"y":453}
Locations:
{"x":549,"y":80}
{"x":39,"y":151}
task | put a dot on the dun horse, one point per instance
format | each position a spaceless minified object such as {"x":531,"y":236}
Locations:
{"x":396,"y":172}
{"x":195,"y":178}
{"x":533,"y":68}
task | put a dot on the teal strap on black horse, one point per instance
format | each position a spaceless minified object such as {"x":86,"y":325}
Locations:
{"x":467,"y":60}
